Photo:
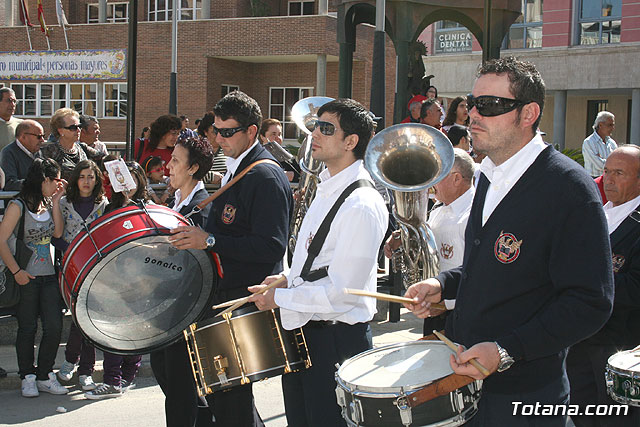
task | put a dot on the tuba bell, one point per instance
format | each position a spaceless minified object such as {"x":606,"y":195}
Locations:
{"x":305,"y":114}
{"x":408,"y":159}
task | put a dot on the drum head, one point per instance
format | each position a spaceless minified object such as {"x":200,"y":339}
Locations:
{"x":409,"y":366}
{"x":628,"y":361}
{"x":143,"y":294}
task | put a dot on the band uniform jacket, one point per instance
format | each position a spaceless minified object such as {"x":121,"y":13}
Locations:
{"x":537,"y":277}
{"x":250,"y":223}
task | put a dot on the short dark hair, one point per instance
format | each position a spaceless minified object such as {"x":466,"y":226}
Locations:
{"x":267,"y":123}
{"x":525,"y":82}
{"x":160,"y":127}
{"x":86,"y":120}
{"x":73,"y":192}
{"x":426,"y":105}
{"x":241,"y":107}
{"x":31,"y":191}
{"x":354,"y":120}
{"x":456,"y":133}
{"x":200,"y":153}
{"x":150,"y":162}
{"x":207,"y":120}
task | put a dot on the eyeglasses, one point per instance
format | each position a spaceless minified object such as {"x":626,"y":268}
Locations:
{"x":73,"y":127}
{"x":228,"y":132}
{"x":326,"y":128}
{"x":490,"y":106}
{"x":37,"y":135}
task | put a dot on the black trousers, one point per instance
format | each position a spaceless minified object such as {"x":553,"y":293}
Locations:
{"x":586,"y":366}
{"x":309,"y":395}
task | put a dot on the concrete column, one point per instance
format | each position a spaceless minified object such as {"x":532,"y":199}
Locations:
{"x":8,"y":13}
{"x":634,"y":138}
{"x":206,"y":9}
{"x":559,"y":117}
{"x":323,"y":7}
{"x":345,"y":70}
{"x":102,"y":11}
{"x":321,"y":75}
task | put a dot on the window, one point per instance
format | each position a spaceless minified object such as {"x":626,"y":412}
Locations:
{"x":83,"y":98}
{"x":115,"y":100}
{"x":116,"y":12}
{"x":27,"y":95}
{"x":599,"y":21}
{"x":281,"y":99}
{"x":52,"y":97}
{"x":297,"y":8}
{"x":593,"y":108}
{"x":526,"y":32}
{"x":228,"y":89}
{"x":162,"y":10}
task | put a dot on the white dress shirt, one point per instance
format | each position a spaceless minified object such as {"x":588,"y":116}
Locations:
{"x":595,"y":152}
{"x":616,"y":214}
{"x":24,"y":149}
{"x":232,"y":164}
{"x":350,"y":251}
{"x":179,"y":203}
{"x":502,"y":178}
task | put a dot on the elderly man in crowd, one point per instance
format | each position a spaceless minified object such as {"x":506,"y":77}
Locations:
{"x":597,"y":147}
{"x":16,"y":158}
{"x":8,"y":122}
{"x":431,"y":113}
{"x":90,"y":133}
{"x":587,"y":360}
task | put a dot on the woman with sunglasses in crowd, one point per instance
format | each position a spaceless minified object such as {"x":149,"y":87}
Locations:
{"x":457,"y":114}
{"x":83,"y":203}
{"x":39,"y":202}
{"x":162,"y":138}
{"x":219,"y":167}
{"x":67,"y":150}
{"x":120,"y":371}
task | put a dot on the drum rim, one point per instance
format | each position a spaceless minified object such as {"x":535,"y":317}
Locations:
{"x":361,"y":390}
{"x":611,"y":367}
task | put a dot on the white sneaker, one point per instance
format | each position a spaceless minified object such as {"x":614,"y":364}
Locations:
{"x":51,"y":385}
{"x":66,"y":371}
{"x":86,"y":382}
{"x":29,"y":388}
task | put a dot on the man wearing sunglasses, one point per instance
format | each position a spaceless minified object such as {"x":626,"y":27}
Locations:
{"x":536,"y":276}
{"x":248,"y":227}
{"x":17,"y":157}
{"x":335,"y":325}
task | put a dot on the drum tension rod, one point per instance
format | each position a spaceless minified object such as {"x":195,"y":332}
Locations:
{"x":86,"y":227}
{"x":144,"y":208}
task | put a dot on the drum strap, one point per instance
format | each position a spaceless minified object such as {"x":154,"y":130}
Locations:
{"x":321,"y":235}
{"x":438,"y":388}
{"x":228,"y":185}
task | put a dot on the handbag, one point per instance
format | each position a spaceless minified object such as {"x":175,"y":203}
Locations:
{"x":9,"y":288}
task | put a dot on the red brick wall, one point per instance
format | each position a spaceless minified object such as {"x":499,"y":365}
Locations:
{"x":630,"y":21}
{"x":556,"y":25}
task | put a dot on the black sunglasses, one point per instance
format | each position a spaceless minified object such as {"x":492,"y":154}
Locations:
{"x":228,"y":132}
{"x":490,"y":106}
{"x":37,"y":135}
{"x":326,"y":128}
{"x":72,"y":127}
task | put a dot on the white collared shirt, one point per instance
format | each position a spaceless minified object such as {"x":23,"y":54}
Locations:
{"x":616,"y":214}
{"x":232,"y":164}
{"x":350,"y":251}
{"x":502,"y":178}
{"x":23,"y":148}
{"x":180,"y":203}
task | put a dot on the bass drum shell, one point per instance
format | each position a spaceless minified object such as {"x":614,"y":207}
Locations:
{"x":623,"y":377}
{"x":370,"y":384}
{"x":129,"y":290}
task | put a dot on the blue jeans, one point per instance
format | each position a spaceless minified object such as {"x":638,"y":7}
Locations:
{"x":39,"y":297}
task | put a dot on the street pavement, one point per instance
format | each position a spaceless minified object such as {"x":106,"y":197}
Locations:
{"x":144,"y":405}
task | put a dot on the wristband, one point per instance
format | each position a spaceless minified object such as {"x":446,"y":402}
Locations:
{"x":19,"y":270}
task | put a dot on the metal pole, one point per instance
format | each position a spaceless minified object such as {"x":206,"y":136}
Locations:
{"x":173,"y":84}
{"x":486,"y":33}
{"x":377,"y":103}
{"x":132,"y":51}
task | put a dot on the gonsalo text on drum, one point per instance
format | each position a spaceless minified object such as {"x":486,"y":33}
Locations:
{"x":160,"y":263}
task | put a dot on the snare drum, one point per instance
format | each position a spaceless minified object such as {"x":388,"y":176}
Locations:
{"x":129,"y":290}
{"x":373,"y":387}
{"x":245,"y":346}
{"x":623,"y":377}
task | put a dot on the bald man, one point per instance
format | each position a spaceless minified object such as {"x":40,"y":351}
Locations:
{"x":16,"y":158}
{"x":587,"y":360}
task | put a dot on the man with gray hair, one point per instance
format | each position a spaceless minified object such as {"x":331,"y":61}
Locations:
{"x":16,"y":158}
{"x":597,"y":147}
{"x":8,"y":122}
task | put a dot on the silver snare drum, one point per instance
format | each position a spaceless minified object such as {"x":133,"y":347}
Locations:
{"x":373,"y":385}
{"x":623,"y":377}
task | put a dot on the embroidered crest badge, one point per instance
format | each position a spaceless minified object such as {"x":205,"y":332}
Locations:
{"x":228,"y":214}
{"x":617,"y":261}
{"x":446,"y":251}
{"x":507,"y":248}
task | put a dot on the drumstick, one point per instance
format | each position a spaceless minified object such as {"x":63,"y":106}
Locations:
{"x":242,"y":301}
{"x":453,"y":347}
{"x":387,"y":297}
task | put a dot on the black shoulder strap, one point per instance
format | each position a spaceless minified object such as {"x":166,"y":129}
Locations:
{"x":20,"y":235}
{"x":323,"y":230}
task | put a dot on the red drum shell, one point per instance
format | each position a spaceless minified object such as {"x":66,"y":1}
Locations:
{"x":129,"y":290}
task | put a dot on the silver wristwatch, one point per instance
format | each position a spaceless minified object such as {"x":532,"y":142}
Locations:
{"x":211,"y":241}
{"x":505,"y":360}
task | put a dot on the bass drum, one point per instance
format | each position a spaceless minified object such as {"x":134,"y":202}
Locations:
{"x":129,"y":290}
